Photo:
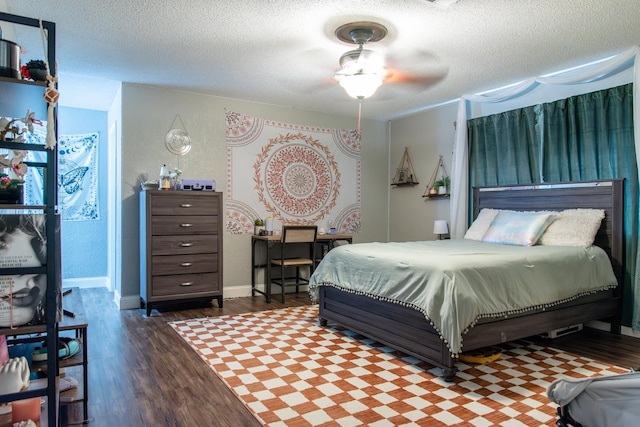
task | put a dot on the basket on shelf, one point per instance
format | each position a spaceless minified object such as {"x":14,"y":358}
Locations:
{"x":12,"y":195}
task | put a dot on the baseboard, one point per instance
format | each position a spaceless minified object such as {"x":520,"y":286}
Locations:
{"x":86,"y":282}
{"x":245,"y":291}
{"x":133,"y":301}
{"x":126,"y":303}
{"x":238,"y":291}
{"x":604,"y":326}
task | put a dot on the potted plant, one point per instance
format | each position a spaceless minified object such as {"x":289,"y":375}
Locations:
{"x":442,"y":185}
{"x":258,"y":224}
{"x":36,"y":70}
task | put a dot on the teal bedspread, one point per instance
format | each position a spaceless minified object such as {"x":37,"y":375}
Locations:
{"x":455,"y":283}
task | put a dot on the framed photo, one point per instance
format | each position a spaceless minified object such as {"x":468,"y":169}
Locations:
{"x":402,"y":175}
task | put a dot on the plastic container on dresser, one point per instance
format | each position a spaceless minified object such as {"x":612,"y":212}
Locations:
{"x":180,"y":246}
{"x":38,"y":272}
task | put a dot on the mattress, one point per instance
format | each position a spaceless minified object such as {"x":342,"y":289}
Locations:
{"x":457,"y":283}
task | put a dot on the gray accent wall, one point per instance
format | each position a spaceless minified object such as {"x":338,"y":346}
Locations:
{"x":148,"y":114}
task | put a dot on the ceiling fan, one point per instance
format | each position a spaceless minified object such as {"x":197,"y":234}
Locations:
{"x":363,"y":71}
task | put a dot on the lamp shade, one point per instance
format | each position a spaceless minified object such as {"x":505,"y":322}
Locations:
{"x":440,"y":227}
{"x":360,"y":85}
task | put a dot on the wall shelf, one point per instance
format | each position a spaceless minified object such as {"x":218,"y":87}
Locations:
{"x":435,"y":183}
{"x":436,"y":196}
{"x":405,"y":175}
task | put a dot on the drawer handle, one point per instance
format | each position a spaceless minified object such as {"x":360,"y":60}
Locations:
{"x":186,"y":225}
{"x":186,"y":245}
{"x":186,"y":205}
{"x":186,"y":283}
{"x":186,"y":264}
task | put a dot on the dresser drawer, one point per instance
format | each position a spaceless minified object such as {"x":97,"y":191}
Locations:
{"x":182,"y":245}
{"x":184,"y":264}
{"x":187,"y":224}
{"x":184,"y":203}
{"x":185,"y":284}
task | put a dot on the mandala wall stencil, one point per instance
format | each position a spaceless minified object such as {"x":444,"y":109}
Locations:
{"x":299,"y":174}
{"x":301,"y":179}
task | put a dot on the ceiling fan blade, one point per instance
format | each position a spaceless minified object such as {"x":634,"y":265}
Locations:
{"x":424,"y":80}
{"x":420,"y":69}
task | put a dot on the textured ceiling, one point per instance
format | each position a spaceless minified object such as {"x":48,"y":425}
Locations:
{"x":284,"y":52}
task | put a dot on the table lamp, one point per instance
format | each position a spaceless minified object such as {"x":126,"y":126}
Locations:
{"x":440,"y":227}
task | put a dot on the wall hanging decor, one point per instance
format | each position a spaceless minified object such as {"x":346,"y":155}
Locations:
{"x":405,"y":175}
{"x":296,"y":174}
{"x":177,"y":140}
{"x":77,"y":175}
{"x":440,"y":182}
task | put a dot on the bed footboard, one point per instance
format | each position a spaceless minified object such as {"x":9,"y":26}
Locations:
{"x":407,"y":330}
{"x":400,"y":327}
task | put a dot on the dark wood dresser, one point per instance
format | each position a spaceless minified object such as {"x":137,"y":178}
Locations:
{"x":180,"y":246}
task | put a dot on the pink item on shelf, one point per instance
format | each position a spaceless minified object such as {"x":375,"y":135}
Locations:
{"x":4,"y":350}
{"x":25,"y":409}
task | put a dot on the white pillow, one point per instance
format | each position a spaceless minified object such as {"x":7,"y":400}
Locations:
{"x":517,"y":228}
{"x":481,"y":224}
{"x":573,"y":227}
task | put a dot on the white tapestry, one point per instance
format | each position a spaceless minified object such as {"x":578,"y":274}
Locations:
{"x":294,"y":174}
{"x":77,"y":176}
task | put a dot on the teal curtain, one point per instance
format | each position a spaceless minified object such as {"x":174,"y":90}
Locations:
{"x":504,"y":148}
{"x":584,"y":137}
{"x":590,"y":136}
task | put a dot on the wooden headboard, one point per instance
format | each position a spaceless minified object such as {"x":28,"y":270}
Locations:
{"x":605,"y":194}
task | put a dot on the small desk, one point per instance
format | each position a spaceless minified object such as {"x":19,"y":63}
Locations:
{"x":269,"y":242}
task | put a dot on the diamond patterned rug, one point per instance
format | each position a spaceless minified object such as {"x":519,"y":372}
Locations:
{"x":290,"y":371}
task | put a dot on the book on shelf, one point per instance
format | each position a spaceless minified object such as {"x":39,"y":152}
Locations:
{"x":23,"y":240}
{"x":23,"y":244}
{"x":22,"y":300}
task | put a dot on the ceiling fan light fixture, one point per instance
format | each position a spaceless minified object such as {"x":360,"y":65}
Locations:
{"x":361,"y":86}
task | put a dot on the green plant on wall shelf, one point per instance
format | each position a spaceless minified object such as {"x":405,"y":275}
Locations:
{"x":445,"y":181}
{"x":438,"y":187}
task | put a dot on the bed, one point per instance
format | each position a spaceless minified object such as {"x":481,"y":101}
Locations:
{"x":406,"y":327}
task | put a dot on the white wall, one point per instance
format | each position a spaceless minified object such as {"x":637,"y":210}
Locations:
{"x":431,"y":132}
{"x":427,"y":135}
{"x":148,"y":114}
{"x":114,"y":137}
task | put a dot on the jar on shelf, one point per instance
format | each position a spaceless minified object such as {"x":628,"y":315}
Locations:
{"x":164,"y":183}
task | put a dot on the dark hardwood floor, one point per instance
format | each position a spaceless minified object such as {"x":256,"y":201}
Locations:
{"x":141,"y":373}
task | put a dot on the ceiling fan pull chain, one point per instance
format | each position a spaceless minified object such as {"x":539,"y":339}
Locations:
{"x":359,"y":114}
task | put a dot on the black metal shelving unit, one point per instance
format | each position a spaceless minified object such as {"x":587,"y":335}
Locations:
{"x":49,"y":208}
